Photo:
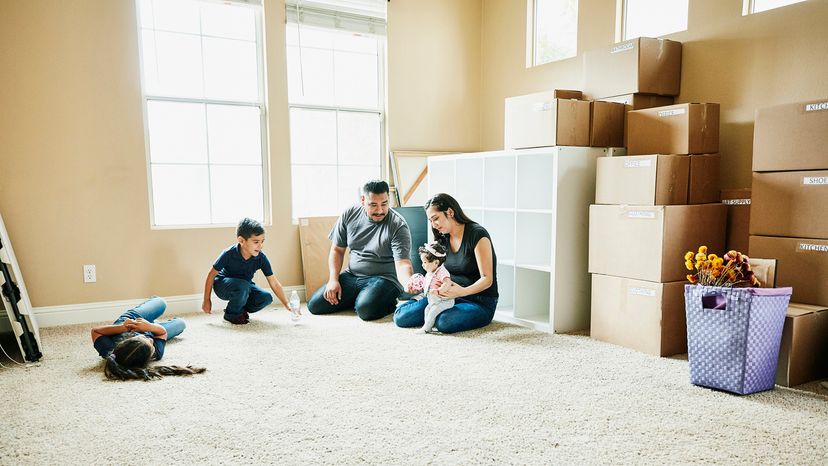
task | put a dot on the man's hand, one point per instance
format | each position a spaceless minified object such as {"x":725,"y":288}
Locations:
{"x":333,"y":292}
{"x":207,"y":306}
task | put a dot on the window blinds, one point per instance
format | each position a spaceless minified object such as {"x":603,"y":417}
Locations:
{"x":362,"y":16}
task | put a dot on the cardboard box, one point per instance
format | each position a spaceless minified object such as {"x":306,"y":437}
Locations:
{"x":641,"y":65}
{"x":637,"y":102}
{"x":315,"y":247}
{"x":568,"y":94}
{"x":645,"y":316}
{"x":803,"y":354}
{"x":791,"y":137}
{"x":607,"y":124}
{"x":541,"y":120}
{"x":675,"y":129}
{"x":704,"y":186}
{"x":649,"y":242}
{"x":738,"y":218}
{"x":791,"y":204}
{"x":802,"y":264}
{"x":642,"y":180}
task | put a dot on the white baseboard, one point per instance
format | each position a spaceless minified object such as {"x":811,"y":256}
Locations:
{"x":56,"y":316}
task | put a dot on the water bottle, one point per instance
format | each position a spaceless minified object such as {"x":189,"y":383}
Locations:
{"x":294,"y":306}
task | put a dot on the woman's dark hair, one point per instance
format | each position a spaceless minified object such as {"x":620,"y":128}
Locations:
{"x":438,"y":248}
{"x":249,"y":227}
{"x":442,"y":202}
{"x":129,"y":360}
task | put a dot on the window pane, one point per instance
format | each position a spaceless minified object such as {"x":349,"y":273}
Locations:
{"x":230,"y":21}
{"x":556,"y":30}
{"x":356,"y":80}
{"x":312,"y":136}
{"x":177,"y":132}
{"x":314,"y":191}
{"x":315,"y":37}
{"x":351,"y":180}
{"x":180,"y":194}
{"x":234,"y":134}
{"x":764,"y":5}
{"x":359,"y":138}
{"x":654,"y":18}
{"x":230,"y":70}
{"x":176,"y":15}
{"x":145,"y":14}
{"x":317,"y":74}
{"x":352,"y":42}
{"x":236,"y":193}
{"x":176,"y":61}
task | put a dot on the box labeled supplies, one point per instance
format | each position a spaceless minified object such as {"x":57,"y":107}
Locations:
{"x":792,"y":204}
{"x":541,"y":120}
{"x":733,"y":336}
{"x":802,"y":264}
{"x":791,"y":137}
{"x":649,"y":242}
{"x":642,"y":180}
{"x":738,"y":218}
{"x":641,"y":65}
{"x":803,"y":356}
{"x":641,"y":315}
{"x":607,"y":124}
{"x":675,"y":129}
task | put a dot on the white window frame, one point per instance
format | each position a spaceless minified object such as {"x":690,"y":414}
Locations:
{"x":621,"y":25}
{"x":261,"y":105}
{"x":380,"y":111}
{"x":749,"y":7}
{"x":532,"y":35}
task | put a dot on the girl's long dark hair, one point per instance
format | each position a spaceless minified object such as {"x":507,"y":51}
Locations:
{"x":442,"y":202}
{"x":129,"y":360}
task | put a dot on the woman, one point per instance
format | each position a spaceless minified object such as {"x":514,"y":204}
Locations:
{"x":470,"y":260}
{"x":134,"y":339}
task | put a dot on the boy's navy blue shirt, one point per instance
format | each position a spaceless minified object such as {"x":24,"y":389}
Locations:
{"x":231,"y":264}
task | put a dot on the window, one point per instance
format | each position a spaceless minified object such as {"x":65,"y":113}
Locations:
{"x":554,"y":30}
{"x":653,"y":18}
{"x":758,"y":6}
{"x":204,"y":111}
{"x":335,"y":61}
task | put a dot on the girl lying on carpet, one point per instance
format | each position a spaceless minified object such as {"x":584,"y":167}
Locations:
{"x":134,"y":339}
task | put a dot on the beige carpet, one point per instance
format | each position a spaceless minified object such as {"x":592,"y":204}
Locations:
{"x":335,"y":390}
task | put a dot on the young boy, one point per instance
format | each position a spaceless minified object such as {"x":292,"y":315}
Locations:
{"x":231,"y":276}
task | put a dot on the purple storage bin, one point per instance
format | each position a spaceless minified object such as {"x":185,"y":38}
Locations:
{"x":733,"y":336}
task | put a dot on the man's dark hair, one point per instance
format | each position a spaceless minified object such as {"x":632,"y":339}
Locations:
{"x":249,"y":227}
{"x":375,"y":187}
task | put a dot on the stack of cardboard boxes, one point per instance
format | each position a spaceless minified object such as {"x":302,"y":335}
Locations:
{"x":652,"y":205}
{"x":788,"y":222}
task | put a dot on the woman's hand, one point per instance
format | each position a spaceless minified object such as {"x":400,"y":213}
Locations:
{"x":450,"y":290}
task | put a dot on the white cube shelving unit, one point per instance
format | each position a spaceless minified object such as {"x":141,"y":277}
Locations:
{"x":535,"y":205}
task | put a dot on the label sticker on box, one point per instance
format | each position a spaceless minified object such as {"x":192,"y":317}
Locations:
{"x":641,"y":214}
{"x":736,"y":201}
{"x":623,"y":47}
{"x":642,"y":291}
{"x":816,"y":107}
{"x":817,"y":180}
{"x":813,"y":247}
{"x":543,"y":106}
{"x":638,"y":163}
{"x":674,"y":112}
{"x":303,"y":222}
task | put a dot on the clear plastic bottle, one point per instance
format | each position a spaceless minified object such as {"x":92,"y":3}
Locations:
{"x":294,"y":306}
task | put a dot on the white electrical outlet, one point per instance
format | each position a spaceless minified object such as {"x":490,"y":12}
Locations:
{"x":89,"y":275}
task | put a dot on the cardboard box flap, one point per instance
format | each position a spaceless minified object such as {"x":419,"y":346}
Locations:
{"x":796,"y":309}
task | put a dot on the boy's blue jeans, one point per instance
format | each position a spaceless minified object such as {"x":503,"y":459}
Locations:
{"x":150,"y":310}
{"x":241,"y":296}
{"x":468,"y":313}
{"x":371,"y":297}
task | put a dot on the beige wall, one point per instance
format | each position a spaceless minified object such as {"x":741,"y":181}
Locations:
{"x":740,"y":62}
{"x":434,"y":75}
{"x":73,"y":176}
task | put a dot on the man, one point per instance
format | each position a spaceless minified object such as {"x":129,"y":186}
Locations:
{"x":379,"y":262}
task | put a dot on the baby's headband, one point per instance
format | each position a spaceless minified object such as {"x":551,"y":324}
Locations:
{"x":433,"y":251}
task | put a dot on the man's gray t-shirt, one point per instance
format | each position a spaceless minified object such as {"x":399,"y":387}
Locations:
{"x":374,"y":246}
